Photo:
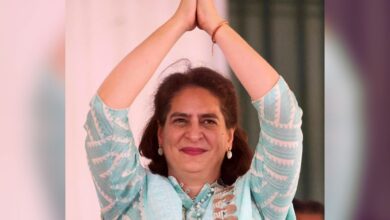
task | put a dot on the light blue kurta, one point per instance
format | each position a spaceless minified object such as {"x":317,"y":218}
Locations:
{"x":126,"y":190}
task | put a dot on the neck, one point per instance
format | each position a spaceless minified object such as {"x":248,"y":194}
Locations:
{"x":192,"y":183}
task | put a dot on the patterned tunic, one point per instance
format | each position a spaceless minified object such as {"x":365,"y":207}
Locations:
{"x":126,"y":190}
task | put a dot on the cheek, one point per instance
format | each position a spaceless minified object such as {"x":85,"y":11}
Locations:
{"x":172,"y":135}
{"x":218,"y":140}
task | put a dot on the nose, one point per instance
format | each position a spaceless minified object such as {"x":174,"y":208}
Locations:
{"x":194,"y":132}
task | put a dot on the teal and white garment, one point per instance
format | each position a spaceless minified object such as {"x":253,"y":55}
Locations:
{"x":126,"y":190}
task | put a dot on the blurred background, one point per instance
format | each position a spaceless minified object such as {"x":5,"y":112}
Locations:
{"x":333,"y":54}
{"x":357,"y":139}
{"x":32,"y":113}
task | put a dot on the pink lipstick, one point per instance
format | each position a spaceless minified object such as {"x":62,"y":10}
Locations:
{"x":193,"y":151}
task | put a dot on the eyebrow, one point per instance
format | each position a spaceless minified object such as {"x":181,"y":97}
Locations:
{"x":209,"y":115}
{"x":181,"y":114}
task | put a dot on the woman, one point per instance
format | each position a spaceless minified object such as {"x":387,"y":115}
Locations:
{"x":200,"y":165}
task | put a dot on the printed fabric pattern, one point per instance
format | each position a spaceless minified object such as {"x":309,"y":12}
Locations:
{"x":266,"y":191}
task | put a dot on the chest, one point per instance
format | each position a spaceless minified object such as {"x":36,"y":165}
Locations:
{"x":162,"y":201}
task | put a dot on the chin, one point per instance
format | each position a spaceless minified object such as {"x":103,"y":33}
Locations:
{"x":194,"y":167}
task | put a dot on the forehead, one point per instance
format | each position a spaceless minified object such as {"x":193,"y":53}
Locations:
{"x":195,"y":100}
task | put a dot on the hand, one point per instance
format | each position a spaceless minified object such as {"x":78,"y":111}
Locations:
{"x":207,"y":15}
{"x":186,"y":14}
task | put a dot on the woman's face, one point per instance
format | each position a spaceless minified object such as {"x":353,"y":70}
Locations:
{"x":194,"y":137}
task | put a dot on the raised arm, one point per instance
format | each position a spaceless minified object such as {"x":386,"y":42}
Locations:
{"x":274,"y":171}
{"x":112,"y":154}
{"x":255,"y":74}
{"x":129,"y":77}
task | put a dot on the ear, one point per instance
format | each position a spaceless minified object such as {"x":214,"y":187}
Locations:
{"x":230,"y":137}
{"x":160,"y":134}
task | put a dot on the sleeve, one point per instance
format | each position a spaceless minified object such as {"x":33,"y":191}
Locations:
{"x":113,"y":159}
{"x":275,"y":168}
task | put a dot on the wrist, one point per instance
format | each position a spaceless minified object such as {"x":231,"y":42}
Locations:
{"x":216,"y":29}
{"x":179,"y":24}
{"x":214,"y":25}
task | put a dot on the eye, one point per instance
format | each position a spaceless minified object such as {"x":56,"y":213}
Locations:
{"x":209,"y":122}
{"x":179,"y":121}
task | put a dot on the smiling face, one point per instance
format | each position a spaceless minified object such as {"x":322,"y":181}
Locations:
{"x":194,"y":137}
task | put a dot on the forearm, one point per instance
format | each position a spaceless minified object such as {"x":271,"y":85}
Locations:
{"x":129,"y":77}
{"x":113,"y":158}
{"x":276,"y":165}
{"x":253,"y":71}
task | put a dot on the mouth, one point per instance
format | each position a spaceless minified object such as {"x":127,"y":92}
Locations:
{"x":193,"y":151}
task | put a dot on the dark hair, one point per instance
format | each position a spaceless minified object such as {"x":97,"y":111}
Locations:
{"x":308,"y":207}
{"x":223,"y":89}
